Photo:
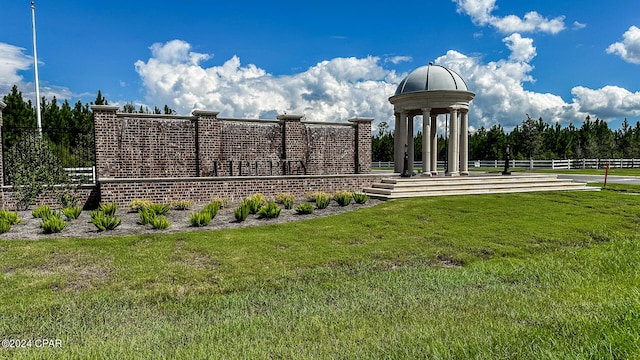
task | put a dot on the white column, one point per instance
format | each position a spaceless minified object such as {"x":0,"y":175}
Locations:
{"x":402,"y":138}
{"x":426,"y":142}
{"x":452,"y":151}
{"x":434,"y":144}
{"x":410,"y":149}
{"x":464,"y":143}
{"x":397,"y":145}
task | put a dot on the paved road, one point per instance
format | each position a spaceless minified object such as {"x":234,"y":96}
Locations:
{"x":633,"y":180}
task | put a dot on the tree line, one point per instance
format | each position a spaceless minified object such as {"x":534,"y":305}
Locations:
{"x":533,"y":139}
{"x":67,"y":127}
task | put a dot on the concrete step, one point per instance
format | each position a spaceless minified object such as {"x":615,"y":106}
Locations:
{"x":393,"y":188}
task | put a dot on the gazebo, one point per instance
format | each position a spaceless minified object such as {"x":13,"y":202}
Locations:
{"x":430,"y":91}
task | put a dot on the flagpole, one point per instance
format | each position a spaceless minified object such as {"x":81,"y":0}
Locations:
{"x":35,"y":68}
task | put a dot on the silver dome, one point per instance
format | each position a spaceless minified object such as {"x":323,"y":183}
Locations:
{"x":431,"y":77}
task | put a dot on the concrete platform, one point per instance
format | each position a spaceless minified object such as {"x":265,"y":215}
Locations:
{"x":395,"y":187}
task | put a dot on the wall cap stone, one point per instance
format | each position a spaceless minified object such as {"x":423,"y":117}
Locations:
{"x":197,"y":112}
{"x":234,"y":178}
{"x":360,"y":120}
{"x":290,"y":117}
{"x":105,"y":108}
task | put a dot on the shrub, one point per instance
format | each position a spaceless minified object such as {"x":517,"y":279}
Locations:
{"x":10,"y":216}
{"x":159,"y":209}
{"x":269,"y":211}
{"x":311,"y":197}
{"x":286,"y":200}
{"x":181,"y":205}
{"x":32,"y":168}
{"x":304,"y":209}
{"x":104,"y":221}
{"x":139,"y":204}
{"x":4,"y":225}
{"x":42,"y":212}
{"x":53,"y":224}
{"x":255,"y":202}
{"x":146,"y":215}
{"x":322,"y":200}
{"x":242,"y":212}
{"x":212,"y":209}
{"x":200,"y":219}
{"x":343,"y":198}
{"x":109,"y":208}
{"x":160,"y":222}
{"x":221,"y":201}
{"x":72,"y":213}
{"x":360,"y":198}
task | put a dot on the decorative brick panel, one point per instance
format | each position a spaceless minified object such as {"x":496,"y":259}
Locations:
{"x":202,"y":190}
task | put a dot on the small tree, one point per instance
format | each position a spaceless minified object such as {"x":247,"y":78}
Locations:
{"x":32,"y":168}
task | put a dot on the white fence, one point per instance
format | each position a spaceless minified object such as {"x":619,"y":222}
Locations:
{"x":84,"y":175}
{"x":535,"y":164}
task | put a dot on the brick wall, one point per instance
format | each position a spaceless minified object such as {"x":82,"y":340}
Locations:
{"x":202,"y":190}
{"x":158,"y":146}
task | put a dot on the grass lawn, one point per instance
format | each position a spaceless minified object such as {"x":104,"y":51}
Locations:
{"x":525,"y":276}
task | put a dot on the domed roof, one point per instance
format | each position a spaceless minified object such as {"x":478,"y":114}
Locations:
{"x":431,"y":77}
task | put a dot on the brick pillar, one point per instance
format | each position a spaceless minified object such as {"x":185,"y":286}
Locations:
{"x":362,"y":152}
{"x":106,"y":136}
{"x":294,"y":141}
{"x":207,"y":142}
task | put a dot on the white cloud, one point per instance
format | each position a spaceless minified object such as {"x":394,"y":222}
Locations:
{"x":332,"y":90}
{"x":480,"y":12}
{"x":501,"y":96}
{"x":629,"y":48}
{"x":12,"y":60}
{"x":522,"y":49}
{"x":341,"y":88}
{"x":578,"y":25}
{"x":607,"y":102}
{"x":398,"y":59}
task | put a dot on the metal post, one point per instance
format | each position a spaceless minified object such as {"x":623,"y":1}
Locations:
{"x":35,"y":68}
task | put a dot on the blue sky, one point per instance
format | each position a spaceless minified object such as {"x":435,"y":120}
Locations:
{"x":331,"y":60}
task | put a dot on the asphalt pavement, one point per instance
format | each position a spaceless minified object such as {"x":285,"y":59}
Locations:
{"x":611,"y":179}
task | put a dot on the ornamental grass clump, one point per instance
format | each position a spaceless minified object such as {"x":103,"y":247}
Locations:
{"x":138,"y":204}
{"x":212,"y":209}
{"x":200,"y":219}
{"x":343,"y":198}
{"x":109,"y":208}
{"x":181,"y":205}
{"x":360,"y":198}
{"x":160,"y":222}
{"x":322,"y":200}
{"x":53,"y":224}
{"x":10,"y":217}
{"x":269,"y":211}
{"x":42,"y":212}
{"x":4,"y":225}
{"x":287,"y":200}
{"x":242,"y":212}
{"x":311,"y":197}
{"x":304,"y":209}
{"x":159,"y":209}
{"x":255,"y":202}
{"x":145,"y":216}
{"x":72,"y":213}
{"x":104,"y":221}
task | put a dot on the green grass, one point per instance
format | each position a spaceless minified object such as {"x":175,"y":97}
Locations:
{"x":612,"y":171}
{"x":538,"y":275}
